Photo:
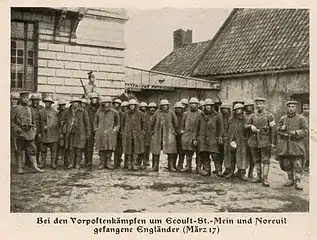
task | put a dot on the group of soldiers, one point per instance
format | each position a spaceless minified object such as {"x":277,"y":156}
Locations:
{"x":236,"y":138}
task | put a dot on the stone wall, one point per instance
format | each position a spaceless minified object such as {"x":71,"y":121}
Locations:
{"x":276,"y":88}
{"x":99,"y":47}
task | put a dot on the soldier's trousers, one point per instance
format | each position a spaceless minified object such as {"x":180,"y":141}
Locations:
{"x":53,"y":148}
{"x":89,"y":149}
{"x":118,"y":152}
{"x":261,"y":155}
{"x":291,"y":163}
{"x":74,"y":156}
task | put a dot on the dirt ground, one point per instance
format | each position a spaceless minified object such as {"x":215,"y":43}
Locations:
{"x":144,"y":191}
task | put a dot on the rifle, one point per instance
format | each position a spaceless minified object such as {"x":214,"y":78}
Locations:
{"x":82,"y":84}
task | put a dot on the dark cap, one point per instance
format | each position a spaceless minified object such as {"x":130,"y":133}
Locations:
{"x":259,"y":99}
{"x":24,"y":93}
{"x":306,"y":106}
{"x":291,"y":102}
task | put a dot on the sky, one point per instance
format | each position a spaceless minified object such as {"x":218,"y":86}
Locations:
{"x":149,"y":32}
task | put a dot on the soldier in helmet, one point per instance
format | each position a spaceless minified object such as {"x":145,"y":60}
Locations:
{"x":179,"y":112}
{"x":149,"y":117}
{"x":184,"y":101}
{"x":77,"y":130}
{"x":24,"y":125}
{"x":164,"y":136}
{"x":262,"y":140}
{"x":14,"y":103}
{"x":48,"y":131}
{"x":189,"y":133}
{"x":91,"y":110}
{"x":106,"y":126}
{"x":143,"y":107}
{"x":225,"y":112}
{"x":201,"y":105}
{"x":209,"y":138}
{"x":35,"y":108}
{"x":236,"y":154}
{"x":141,"y":162}
{"x":305,"y":114}
{"x":61,"y":148}
{"x":248,"y":110}
{"x":133,"y":130}
{"x":118,"y":151}
{"x":292,"y":129}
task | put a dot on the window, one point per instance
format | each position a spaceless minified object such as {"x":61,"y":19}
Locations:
{"x":23,"y":42}
{"x":302,"y":99}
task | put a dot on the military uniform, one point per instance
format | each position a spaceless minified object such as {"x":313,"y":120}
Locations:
{"x":180,"y":152}
{"x":61,"y":146}
{"x":149,"y":118}
{"x":247,"y":114}
{"x":48,"y":133}
{"x":306,"y":141}
{"x":118,"y":150}
{"x":261,"y":141}
{"x":225,"y":120}
{"x":292,"y":129}
{"x":23,"y":123}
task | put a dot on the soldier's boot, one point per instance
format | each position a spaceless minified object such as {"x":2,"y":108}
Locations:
{"x":42,"y":161}
{"x":19,"y":163}
{"x":108,"y":155}
{"x":135,"y":162}
{"x":125,"y":161}
{"x":218,"y":168}
{"x":266,"y":168}
{"x":34,"y":163}
{"x":129,"y":160}
{"x":290,"y":181}
{"x":230,"y":173}
{"x":53,"y":158}
{"x":71,"y":162}
{"x":66,"y":158}
{"x":198,"y":163}
{"x":78,"y":158}
{"x":242,"y":175}
{"x":298,"y":185}
{"x":250,"y":172}
{"x":101,"y":160}
{"x":180,"y":164}
{"x":143,"y":162}
{"x":258,"y":176}
{"x":155,"y":162}
{"x":188,"y":166}
{"x":170,"y":158}
{"x":206,"y":171}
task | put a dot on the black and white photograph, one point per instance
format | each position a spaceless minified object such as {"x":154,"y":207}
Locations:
{"x":163,"y":110}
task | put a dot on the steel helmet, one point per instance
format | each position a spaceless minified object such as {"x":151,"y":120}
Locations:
{"x":35,"y":96}
{"x":184,"y":101}
{"x":201,"y":103}
{"x":209,"y":101}
{"x":133,"y":102}
{"x":248,"y":103}
{"x":178,"y":105}
{"x":75,"y":99}
{"x":106,"y":99}
{"x":48,"y":99}
{"x":117,"y":100}
{"x":84,"y":100}
{"x":193,"y":100}
{"x":124,"y":104}
{"x":237,"y":106}
{"x":93,"y":95}
{"x":15,"y":95}
{"x":164,"y":102}
{"x":62,"y":102}
{"x":152,"y":104}
{"x":143,"y":104}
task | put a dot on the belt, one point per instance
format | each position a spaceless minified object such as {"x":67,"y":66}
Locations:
{"x":292,"y":138}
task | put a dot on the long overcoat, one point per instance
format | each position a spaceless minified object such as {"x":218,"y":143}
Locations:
{"x":106,"y":126}
{"x":288,"y":145}
{"x":133,"y":130}
{"x":237,"y":133}
{"x":190,"y":129}
{"x":180,"y":117}
{"x":49,"y":126}
{"x":306,"y":139}
{"x":149,"y":117}
{"x":210,"y":129}
{"x":163,"y":128}
{"x":76,"y":128}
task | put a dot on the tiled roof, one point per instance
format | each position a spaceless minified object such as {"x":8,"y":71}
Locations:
{"x":182,"y":60}
{"x":253,"y":40}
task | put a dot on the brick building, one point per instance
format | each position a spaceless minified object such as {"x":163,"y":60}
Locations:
{"x":52,"y":49}
{"x":256,"y":52}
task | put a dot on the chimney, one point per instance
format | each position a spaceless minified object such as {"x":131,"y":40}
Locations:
{"x":182,"y":37}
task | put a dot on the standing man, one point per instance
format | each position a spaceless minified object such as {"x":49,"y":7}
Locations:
{"x":23,"y":123}
{"x":118,"y":151}
{"x":225,"y":112}
{"x":124,"y":108}
{"x":77,"y":131}
{"x":106,"y":126}
{"x":305,"y":114}
{"x":91,"y":86}
{"x":13,"y":104}
{"x":263,"y":138}
{"x":35,"y":108}
{"x":292,"y":129}
{"x":143,"y":107}
{"x":210,"y":132}
{"x":61,"y":146}
{"x":133,"y":130}
{"x":189,"y":133}
{"x":163,"y":138}
{"x":236,"y":156}
{"x":149,"y":118}
{"x":179,"y":112}
{"x":249,"y":109}
{"x":49,"y":129}
{"x":201,"y":105}
{"x":91,"y":110}
{"x":184,"y":101}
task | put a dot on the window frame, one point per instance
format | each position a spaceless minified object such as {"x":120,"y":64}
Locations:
{"x":35,"y":40}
